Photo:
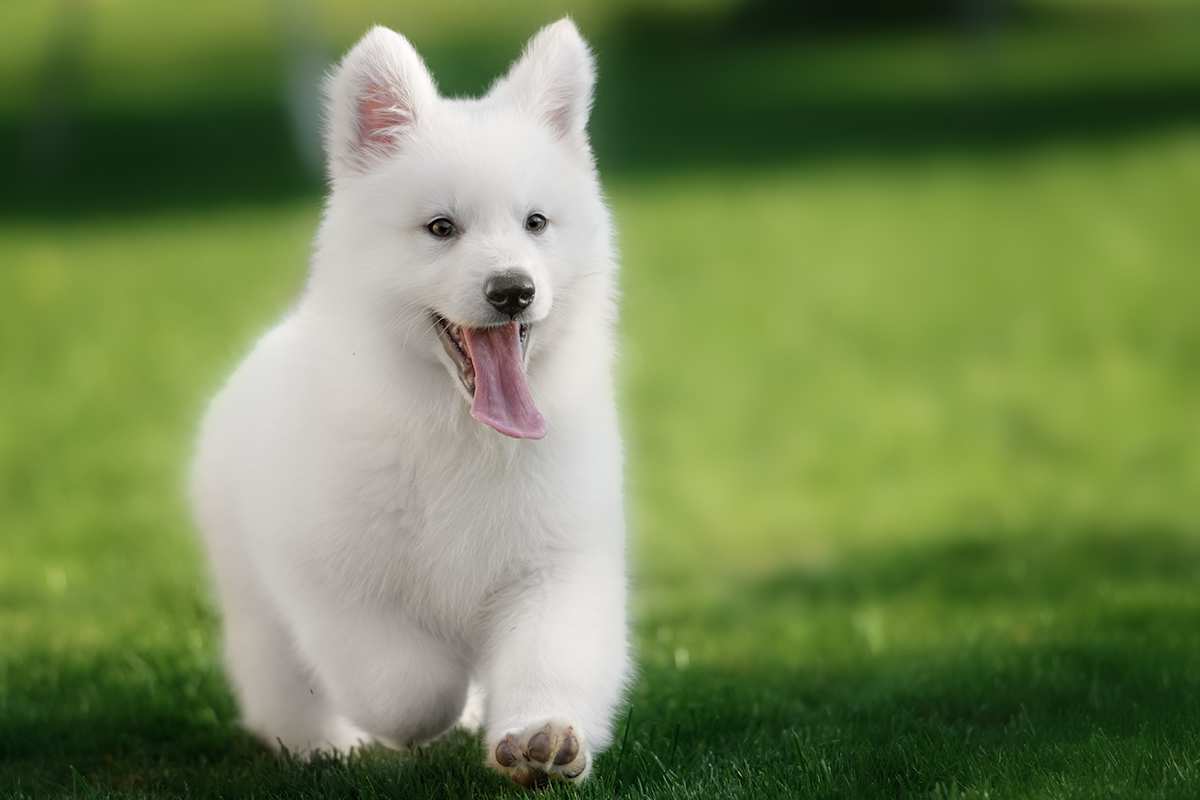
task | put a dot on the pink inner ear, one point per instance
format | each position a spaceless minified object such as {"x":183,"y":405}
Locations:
{"x":381,"y":117}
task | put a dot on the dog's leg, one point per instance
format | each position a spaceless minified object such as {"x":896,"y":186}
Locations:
{"x":471,"y":719}
{"x":281,"y":701}
{"x":384,"y":675}
{"x":555,"y":672}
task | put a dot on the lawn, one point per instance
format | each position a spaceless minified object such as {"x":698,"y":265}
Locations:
{"x":911,"y":382}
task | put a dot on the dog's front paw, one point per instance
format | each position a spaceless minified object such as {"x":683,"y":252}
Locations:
{"x":546,"y":750}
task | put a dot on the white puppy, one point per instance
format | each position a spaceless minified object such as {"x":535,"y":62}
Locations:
{"x":413,"y":482}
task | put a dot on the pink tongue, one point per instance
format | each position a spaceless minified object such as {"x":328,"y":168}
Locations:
{"x":502,"y":398}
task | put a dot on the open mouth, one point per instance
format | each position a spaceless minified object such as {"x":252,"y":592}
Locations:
{"x":455,"y":345}
{"x":491,"y":367}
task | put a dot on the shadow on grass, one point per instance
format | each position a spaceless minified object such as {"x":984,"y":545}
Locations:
{"x":663,"y":108}
{"x":1014,"y":569}
{"x":1104,"y":702}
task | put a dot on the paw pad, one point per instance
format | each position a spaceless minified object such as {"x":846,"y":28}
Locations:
{"x":541,"y":752}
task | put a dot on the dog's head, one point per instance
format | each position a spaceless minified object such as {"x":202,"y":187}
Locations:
{"x":466,"y":226}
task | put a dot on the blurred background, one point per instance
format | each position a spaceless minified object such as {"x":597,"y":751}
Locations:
{"x":911,"y":383}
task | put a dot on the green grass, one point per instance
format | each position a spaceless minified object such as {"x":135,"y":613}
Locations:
{"x":910,"y":381}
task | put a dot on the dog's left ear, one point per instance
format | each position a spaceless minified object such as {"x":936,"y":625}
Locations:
{"x":553,"y":80}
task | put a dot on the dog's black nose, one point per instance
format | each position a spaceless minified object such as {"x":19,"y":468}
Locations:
{"x":509,"y":292}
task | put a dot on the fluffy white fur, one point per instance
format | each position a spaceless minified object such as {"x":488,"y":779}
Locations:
{"x":376,"y":550}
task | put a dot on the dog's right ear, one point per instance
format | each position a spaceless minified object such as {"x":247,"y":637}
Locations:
{"x":374,"y":99}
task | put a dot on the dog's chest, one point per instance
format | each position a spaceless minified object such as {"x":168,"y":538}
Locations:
{"x":443,"y":534}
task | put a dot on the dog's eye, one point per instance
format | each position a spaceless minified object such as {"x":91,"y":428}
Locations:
{"x":442,"y":228}
{"x":535,"y":223}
